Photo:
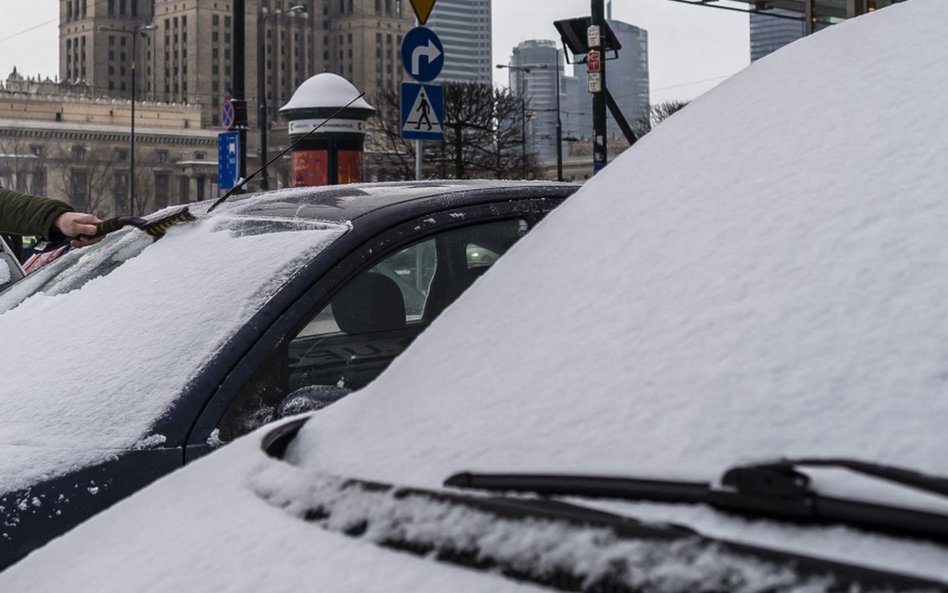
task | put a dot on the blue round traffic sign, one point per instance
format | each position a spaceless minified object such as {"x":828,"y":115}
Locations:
{"x":228,"y":115}
{"x":422,"y":54}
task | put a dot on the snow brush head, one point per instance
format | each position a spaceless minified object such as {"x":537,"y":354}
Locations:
{"x":158,"y":228}
{"x":155,"y":228}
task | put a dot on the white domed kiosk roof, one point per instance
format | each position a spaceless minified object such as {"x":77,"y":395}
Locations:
{"x":325,"y":90}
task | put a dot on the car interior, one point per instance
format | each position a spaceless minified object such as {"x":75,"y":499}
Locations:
{"x":368,"y":322}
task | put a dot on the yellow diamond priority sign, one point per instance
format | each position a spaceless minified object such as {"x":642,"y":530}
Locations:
{"x":422,"y":9}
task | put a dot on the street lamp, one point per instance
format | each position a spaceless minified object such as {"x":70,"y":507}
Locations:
{"x":262,"y":111}
{"x":559,"y":121}
{"x":140,"y":30}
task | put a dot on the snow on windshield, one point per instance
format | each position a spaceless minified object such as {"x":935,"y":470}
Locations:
{"x":761,"y":276}
{"x":97,"y":365}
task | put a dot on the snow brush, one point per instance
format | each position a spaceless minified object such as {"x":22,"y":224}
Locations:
{"x":155,"y":228}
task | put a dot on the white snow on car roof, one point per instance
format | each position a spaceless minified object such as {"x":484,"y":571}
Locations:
{"x":95,"y":367}
{"x":762,"y":276}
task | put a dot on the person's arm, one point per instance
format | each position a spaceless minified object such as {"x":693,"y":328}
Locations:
{"x":24,"y":214}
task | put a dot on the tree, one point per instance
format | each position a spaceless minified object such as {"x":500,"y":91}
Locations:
{"x":22,"y":166}
{"x":657,"y":114}
{"x":88,"y":181}
{"x":483,"y":137}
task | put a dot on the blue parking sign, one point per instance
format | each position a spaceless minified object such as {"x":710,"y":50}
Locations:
{"x":228,"y":159}
{"x":422,"y":111}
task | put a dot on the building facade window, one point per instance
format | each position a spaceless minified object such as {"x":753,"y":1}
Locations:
{"x":162,"y":181}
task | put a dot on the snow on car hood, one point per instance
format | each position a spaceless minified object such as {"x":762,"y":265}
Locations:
{"x":761,"y":276}
{"x":87,"y":372}
{"x":203,"y":528}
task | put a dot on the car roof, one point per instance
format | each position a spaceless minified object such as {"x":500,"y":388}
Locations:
{"x":347,"y":203}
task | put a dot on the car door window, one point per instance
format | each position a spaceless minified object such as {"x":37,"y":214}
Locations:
{"x":369,"y":321}
{"x":410,"y":269}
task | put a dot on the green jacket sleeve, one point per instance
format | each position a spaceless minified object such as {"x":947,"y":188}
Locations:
{"x":23,"y":214}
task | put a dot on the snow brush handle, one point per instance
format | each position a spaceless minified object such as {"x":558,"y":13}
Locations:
{"x":115,"y":223}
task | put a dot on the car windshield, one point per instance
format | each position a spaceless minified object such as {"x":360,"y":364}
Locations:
{"x":157,"y":312}
{"x":76,"y":267}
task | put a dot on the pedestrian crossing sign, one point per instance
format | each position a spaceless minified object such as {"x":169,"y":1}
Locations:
{"x":422,"y":111}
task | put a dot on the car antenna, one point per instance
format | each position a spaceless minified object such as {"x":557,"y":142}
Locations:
{"x":243,"y":182}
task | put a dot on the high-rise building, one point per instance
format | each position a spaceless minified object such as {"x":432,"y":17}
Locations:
{"x":186,"y":49}
{"x":535,"y":67}
{"x":464,"y":29}
{"x":770,"y":33}
{"x":95,"y":42}
{"x":773,"y":28}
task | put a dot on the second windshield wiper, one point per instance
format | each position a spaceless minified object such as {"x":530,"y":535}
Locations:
{"x":775,"y":490}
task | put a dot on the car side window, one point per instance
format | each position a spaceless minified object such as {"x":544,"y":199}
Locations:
{"x":369,"y":321}
{"x":410,"y":269}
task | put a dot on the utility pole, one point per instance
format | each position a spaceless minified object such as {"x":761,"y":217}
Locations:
{"x":131,"y":137}
{"x":238,"y":93}
{"x":559,"y":121}
{"x":262,"y":115}
{"x":263,"y":112}
{"x":595,"y":38}
{"x":134,"y":33}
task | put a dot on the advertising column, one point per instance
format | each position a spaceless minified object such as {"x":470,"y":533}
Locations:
{"x":333,"y":153}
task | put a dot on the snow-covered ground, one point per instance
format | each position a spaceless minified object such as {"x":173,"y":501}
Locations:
{"x":762,"y":276}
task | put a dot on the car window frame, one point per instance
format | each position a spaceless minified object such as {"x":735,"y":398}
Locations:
{"x":322,"y":287}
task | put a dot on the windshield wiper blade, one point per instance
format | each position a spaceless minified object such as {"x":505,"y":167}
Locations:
{"x":584,"y":486}
{"x":898,"y":475}
{"x":776,"y":490}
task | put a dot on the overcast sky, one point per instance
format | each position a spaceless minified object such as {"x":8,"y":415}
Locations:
{"x":691,"y":48}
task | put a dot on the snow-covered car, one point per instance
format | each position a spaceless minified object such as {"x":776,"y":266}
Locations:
{"x":721,"y":366}
{"x":150,"y":353}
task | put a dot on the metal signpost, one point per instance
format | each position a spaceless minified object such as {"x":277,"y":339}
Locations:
{"x":597,"y":84}
{"x":422,"y":113}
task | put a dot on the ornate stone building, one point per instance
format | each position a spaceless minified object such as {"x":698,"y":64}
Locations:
{"x":185,"y":48}
{"x":61,"y":144}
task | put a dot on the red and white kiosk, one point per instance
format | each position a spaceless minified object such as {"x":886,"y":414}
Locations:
{"x":332,"y":155}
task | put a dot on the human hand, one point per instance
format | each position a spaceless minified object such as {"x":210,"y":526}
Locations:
{"x":78,"y":226}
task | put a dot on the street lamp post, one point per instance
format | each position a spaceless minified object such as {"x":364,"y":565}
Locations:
{"x":131,"y":156}
{"x":262,"y":111}
{"x":559,"y":121}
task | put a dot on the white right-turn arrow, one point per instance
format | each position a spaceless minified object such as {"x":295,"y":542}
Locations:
{"x":429,"y":51}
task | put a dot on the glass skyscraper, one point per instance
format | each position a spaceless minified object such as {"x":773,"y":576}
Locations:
{"x":464,"y":29}
{"x":538,"y":85}
{"x":768,"y":34}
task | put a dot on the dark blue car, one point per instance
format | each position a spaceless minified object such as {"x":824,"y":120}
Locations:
{"x":150,"y":354}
